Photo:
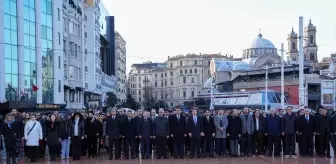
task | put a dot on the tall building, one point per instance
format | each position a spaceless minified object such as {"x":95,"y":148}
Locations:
{"x":74,"y":38}
{"x":120,"y":67}
{"x":31,"y":43}
{"x":178,"y":81}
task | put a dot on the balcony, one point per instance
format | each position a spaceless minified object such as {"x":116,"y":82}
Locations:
{"x":86,"y":68}
{"x":86,"y":86}
{"x":98,"y":86}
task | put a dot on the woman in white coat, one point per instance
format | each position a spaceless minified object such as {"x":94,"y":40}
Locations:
{"x":33,"y":135}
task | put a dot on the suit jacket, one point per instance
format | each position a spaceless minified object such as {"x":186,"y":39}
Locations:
{"x":195,"y":129}
{"x":113,"y":127}
{"x":235,"y":127}
{"x":306,"y":127}
{"x":208,"y":127}
{"x":129,"y":130}
{"x":247,"y":124}
{"x":262,"y":124}
{"x":178,"y":127}
{"x":221,"y":123}
{"x":145,"y":128}
{"x":323,"y":124}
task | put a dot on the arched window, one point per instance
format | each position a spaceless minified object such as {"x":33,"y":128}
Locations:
{"x":312,"y":56}
{"x":293,"y":46}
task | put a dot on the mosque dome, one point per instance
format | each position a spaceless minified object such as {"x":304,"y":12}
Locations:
{"x":261,"y":42}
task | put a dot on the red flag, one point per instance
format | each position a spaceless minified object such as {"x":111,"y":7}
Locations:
{"x":34,"y":88}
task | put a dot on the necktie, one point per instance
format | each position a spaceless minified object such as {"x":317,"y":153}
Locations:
{"x":178,"y":117}
{"x":195,"y":120}
{"x":307,"y":119}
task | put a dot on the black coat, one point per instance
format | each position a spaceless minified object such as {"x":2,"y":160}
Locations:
{"x":145,"y":128}
{"x":234,"y":128}
{"x":93,"y":128}
{"x":306,"y":128}
{"x":81,"y":128}
{"x":288,"y":124}
{"x":195,"y":129}
{"x":178,"y":127}
{"x":66,"y":129}
{"x":161,"y":126}
{"x":53,"y":133}
{"x":262,"y":125}
{"x":10,"y":134}
{"x":113,"y":127}
{"x":129,"y":128}
{"x":208,"y":127}
{"x":323,"y":124}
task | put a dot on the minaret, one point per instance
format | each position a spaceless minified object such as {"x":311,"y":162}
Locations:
{"x":310,"y":47}
{"x":292,"y":52}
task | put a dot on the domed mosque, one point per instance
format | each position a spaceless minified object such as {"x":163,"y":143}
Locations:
{"x":261,"y":52}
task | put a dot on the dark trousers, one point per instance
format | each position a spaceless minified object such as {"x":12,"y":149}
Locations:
{"x":208,"y":143}
{"x":307,"y":144}
{"x":84,"y":146}
{"x":146,"y":147}
{"x":273,"y":143}
{"x":53,"y":150}
{"x":11,"y":154}
{"x":161,"y":146}
{"x":281,"y":143}
{"x":32,"y":152}
{"x":92,"y":145}
{"x":114,"y":143}
{"x":324,"y":145}
{"x":220,"y":144}
{"x":129,"y":144}
{"x":179,"y":146}
{"x":170,"y":144}
{"x":76,"y":147}
{"x":289,"y":144}
{"x":258,"y":143}
{"x":195,"y":146}
{"x":245,"y":146}
{"x":42,"y":147}
{"x":137,"y":146}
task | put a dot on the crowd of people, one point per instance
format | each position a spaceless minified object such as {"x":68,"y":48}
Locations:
{"x":168,"y":133}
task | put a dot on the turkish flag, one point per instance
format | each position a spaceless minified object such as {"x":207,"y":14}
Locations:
{"x":34,"y":88}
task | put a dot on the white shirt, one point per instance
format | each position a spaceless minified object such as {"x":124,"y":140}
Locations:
{"x":76,"y":128}
{"x":257,"y":124}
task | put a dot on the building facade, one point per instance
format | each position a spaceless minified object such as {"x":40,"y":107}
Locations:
{"x":30,"y":68}
{"x":177,"y":81}
{"x":120,"y":67}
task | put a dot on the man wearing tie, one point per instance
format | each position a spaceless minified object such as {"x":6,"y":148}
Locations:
{"x":221,"y":123}
{"x":129,"y":134}
{"x":145,"y":130}
{"x":195,"y":130}
{"x":209,"y":134}
{"x":113,"y":131}
{"x":306,"y":130}
{"x":178,"y":131}
{"x":259,"y":132}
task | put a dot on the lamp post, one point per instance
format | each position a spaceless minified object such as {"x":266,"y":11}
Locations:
{"x":211,"y":94}
{"x":282,"y":77}
{"x":266,"y":90}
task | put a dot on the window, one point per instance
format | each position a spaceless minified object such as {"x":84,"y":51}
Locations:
{"x":58,"y":14}
{"x":192,"y":80}
{"x":59,"y":38}
{"x":71,"y":44}
{"x":59,"y":62}
{"x":184,"y":79}
{"x":192,"y":94}
{"x":184,"y":94}
{"x":155,"y":84}
{"x":71,"y":27}
{"x":155,"y":75}
{"x":195,"y":62}
{"x":71,"y":72}
{"x":75,"y":50}
{"x":190,"y":71}
{"x":139,"y":85}
{"x":294,"y":59}
{"x":165,"y":82}
{"x":171,"y":65}
{"x":171,"y":82}
{"x":65,"y":24}
{"x":165,"y":74}
{"x":171,"y":73}
{"x":185,"y":71}
{"x":293,"y":46}
{"x":181,"y":63}
{"x":72,"y":96}
{"x":195,"y":71}
{"x":59,"y":85}
{"x":181,"y":72}
{"x":64,"y":47}
{"x":139,"y":92}
{"x":312,"y":56}
{"x":311,"y":39}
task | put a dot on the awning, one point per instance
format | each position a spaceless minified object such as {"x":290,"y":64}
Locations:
{"x":16,"y":105}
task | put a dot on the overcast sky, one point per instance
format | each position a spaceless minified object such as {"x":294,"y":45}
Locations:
{"x":156,"y":29}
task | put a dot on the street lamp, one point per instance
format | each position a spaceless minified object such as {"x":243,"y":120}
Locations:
{"x":266,"y":90}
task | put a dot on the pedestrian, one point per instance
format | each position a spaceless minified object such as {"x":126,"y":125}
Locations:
{"x":33,"y":134}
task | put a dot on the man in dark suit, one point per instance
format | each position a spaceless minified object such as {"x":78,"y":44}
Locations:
{"x":273,"y":130}
{"x":137,"y":117}
{"x":178,"y":131}
{"x":209,"y":134}
{"x":323,"y":133}
{"x":145,"y":130}
{"x":306,"y":128}
{"x":259,"y":132}
{"x":129,"y":134}
{"x":161,"y":133}
{"x":113,"y":131}
{"x":195,"y":130}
